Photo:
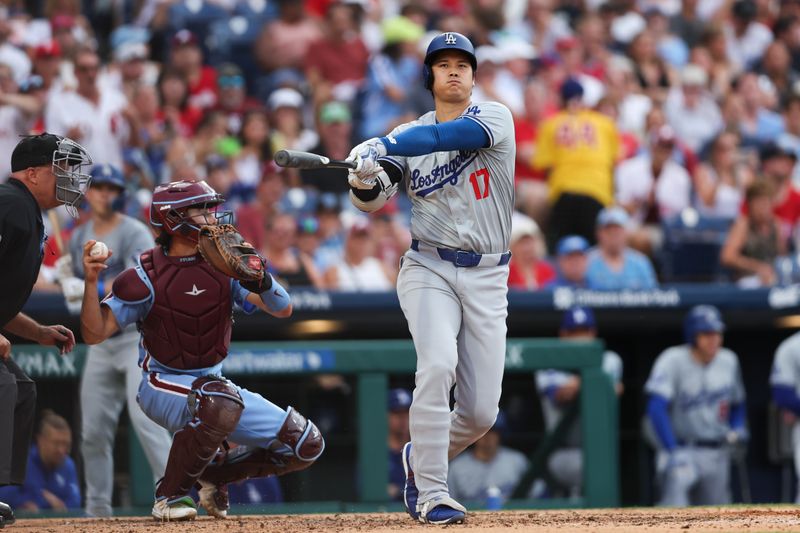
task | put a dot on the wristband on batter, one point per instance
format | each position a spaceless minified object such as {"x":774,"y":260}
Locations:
{"x":276,"y":299}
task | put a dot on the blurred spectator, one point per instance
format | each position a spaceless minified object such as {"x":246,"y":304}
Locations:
{"x":186,"y":57}
{"x":130,"y":68}
{"x":307,"y":235}
{"x":530,"y":184}
{"x":391,"y":236}
{"x":391,"y":76}
{"x":571,"y":263}
{"x":790,"y":139}
{"x":746,"y":38}
{"x":558,"y":392}
{"x":10,"y":55}
{"x":360,"y":270}
{"x":336,"y":64}
{"x":754,"y":243}
{"x":179,"y":117}
{"x":776,"y":65}
{"x":289,"y":132}
{"x":757,"y":124}
{"x":292,"y":267}
{"x":712,"y":56}
{"x":622,"y":88}
{"x":51,"y":481}
{"x":651,"y":71}
{"x":283,"y":43}
{"x":255,"y":147}
{"x":47,"y":64}
{"x":690,"y":109}
{"x":686,"y":24}
{"x":652,"y":187}
{"x":233,"y":100}
{"x":579,"y":147}
{"x":18,"y":113}
{"x":527,"y":269}
{"x":335,"y":128}
{"x":96,"y":117}
{"x":777,"y":165}
{"x":543,"y":26}
{"x":571,"y":52}
{"x":252,"y":218}
{"x":721,"y":181}
{"x":696,"y":407}
{"x":399,"y":403}
{"x":487,"y":464}
{"x":612,"y":265}
{"x":331,"y":232}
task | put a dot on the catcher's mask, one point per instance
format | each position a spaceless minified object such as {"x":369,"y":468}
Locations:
{"x":171,"y":203}
{"x":68,"y":159}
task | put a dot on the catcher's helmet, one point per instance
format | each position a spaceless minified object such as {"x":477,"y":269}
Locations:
{"x":109,"y":174}
{"x":168,"y":210}
{"x":446,"y":41}
{"x":702,"y":319}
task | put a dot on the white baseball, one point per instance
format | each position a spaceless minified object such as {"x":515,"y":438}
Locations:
{"x":99,"y":250}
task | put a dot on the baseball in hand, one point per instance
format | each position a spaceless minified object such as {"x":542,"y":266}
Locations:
{"x":99,"y":250}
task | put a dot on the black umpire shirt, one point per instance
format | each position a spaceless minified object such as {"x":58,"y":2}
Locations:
{"x":21,"y":247}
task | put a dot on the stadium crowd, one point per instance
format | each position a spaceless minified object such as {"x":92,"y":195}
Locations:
{"x":684,"y":115}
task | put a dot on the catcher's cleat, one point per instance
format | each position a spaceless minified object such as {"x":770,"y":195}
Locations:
{"x":410,"y":492}
{"x":6,"y":515}
{"x":442,"y":511}
{"x":178,"y":510}
{"x":214,"y":499}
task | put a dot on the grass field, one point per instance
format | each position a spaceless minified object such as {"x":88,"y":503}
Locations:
{"x":698,"y":519}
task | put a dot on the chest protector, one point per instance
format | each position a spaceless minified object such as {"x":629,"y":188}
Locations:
{"x":189,"y":325}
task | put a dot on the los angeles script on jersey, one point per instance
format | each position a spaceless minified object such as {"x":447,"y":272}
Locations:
{"x":441,"y":175}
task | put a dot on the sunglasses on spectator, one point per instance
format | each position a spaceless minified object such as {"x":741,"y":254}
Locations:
{"x":230,"y":81}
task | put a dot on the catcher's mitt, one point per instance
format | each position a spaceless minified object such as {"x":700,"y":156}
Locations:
{"x":225,"y":249}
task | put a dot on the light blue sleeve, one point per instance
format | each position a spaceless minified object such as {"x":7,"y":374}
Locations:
{"x":127,"y":313}
{"x":661,"y":378}
{"x":239,"y":294}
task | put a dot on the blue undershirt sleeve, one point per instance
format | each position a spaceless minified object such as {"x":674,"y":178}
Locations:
{"x":737,"y":415}
{"x":445,"y":137}
{"x":658,"y":412}
{"x":786,"y":398}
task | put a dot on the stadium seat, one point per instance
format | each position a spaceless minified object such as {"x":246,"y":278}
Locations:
{"x":692,"y":244}
{"x":259,"y":12}
{"x":231,"y":40}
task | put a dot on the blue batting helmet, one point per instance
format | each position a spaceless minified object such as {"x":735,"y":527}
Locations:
{"x":111,"y":175}
{"x":702,"y":319}
{"x":446,"y":41}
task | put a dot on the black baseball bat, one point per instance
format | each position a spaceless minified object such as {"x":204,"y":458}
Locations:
{"x":297,"y":159}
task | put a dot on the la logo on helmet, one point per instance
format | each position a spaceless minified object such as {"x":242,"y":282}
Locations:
{"x":449,"y":38}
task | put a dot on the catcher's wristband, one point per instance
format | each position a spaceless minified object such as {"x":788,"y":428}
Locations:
{"x":276,"y":299}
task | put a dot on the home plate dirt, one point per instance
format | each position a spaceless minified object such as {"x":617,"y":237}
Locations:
{"x":762,"y":518}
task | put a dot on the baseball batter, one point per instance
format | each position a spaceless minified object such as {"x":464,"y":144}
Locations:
{"x":183,"y":309}
{"x":697,"y":409}
{"x":785,"y":382}
{"x":457,"y":165}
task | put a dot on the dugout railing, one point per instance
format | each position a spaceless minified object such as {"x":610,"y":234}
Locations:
{"x":371,"y":363}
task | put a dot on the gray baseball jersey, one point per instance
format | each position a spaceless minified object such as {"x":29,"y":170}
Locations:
{"x":111,"y":375}
{"x":463,"y":199}
{"x":552,"y":411}
{"x":786,"y":371}
{"x":700,"y":396}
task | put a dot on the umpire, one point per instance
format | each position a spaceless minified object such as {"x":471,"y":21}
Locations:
{"x":45,"y":172}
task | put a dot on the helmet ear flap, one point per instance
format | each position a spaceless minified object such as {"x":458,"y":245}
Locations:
{"x":427,"y":76}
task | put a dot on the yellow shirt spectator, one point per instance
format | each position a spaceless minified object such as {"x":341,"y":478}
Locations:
{"x":579,"y":148}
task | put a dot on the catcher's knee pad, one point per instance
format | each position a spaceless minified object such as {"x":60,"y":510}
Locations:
{"x":303,"y":438}
{"x":216,"y":408}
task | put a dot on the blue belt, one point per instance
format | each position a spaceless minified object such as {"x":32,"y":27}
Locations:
{"x":462,"y":258}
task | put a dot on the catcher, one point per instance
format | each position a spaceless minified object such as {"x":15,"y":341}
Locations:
{"x":181,"y":296}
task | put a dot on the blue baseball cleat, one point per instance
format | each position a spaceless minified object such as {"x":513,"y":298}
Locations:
{"x":410,"y":492}
{"x":442,"y":511}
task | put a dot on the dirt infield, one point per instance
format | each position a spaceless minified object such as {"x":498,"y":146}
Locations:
{"x":779,"y":518}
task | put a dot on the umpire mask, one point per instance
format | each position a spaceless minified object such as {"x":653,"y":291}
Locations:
{"x":70,"y":161}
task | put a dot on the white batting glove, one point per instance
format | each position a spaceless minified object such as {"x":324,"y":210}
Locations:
{"x":72,"y":288}
{"x":63,"y":267}
{"x":357,"y":182}
{"x":365,"y":156}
